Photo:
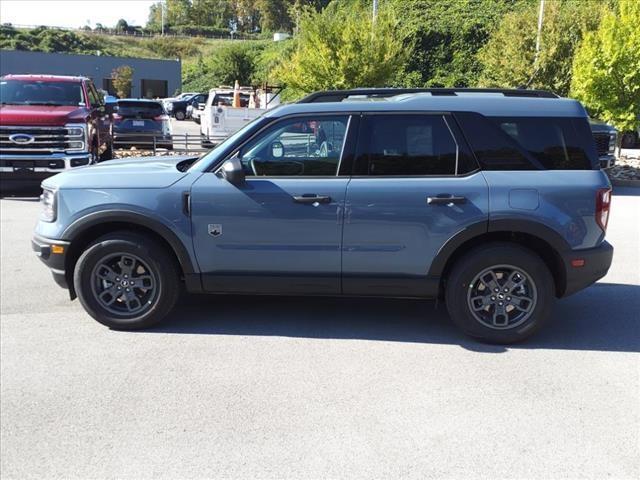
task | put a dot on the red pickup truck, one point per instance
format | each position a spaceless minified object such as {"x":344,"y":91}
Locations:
{"x":49,"y":124}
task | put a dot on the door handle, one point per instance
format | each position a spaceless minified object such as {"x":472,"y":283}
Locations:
{"x":446,"y":199}
{"x":311,"y":198}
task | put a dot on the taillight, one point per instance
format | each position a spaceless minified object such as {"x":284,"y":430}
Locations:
{"x":603,"y":206}
{"x":162,"y":118}
{"x":116,"y":117}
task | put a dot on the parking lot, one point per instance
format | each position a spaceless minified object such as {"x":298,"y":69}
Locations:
{"x":269,"y":387}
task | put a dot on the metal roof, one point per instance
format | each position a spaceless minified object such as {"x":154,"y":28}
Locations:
{"x":489,"y":103}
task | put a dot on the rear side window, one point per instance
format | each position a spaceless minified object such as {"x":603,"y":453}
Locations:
{"x":554,"y":142}
{"x":140,"y":109}
{"x":407,"y":145}
{"x":529,"y":143}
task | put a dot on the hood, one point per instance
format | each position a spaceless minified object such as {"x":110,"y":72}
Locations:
{"x":32,"y":115}
{"x":600,"y":126}
{"x":140,"y":172}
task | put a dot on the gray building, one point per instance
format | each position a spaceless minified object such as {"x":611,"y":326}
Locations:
{"x":151,"y":78}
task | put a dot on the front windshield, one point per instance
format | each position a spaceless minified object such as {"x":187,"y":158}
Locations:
{"x":213,"y":155}
{"x":35,"y":92}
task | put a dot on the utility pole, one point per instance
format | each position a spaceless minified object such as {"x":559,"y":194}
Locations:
{"x":540,"y":17}
{"x":162,"y":16}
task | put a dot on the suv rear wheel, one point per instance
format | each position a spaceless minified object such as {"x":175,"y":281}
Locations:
{"x":127,"y":281}
{"x":500,"y":293}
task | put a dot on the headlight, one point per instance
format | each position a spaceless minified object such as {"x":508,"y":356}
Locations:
{"x":613,"y":137}
{"x":76,"y":140}
{"x":48,"y":200}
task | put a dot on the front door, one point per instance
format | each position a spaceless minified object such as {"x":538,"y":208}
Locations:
{"x":414,"y":187}
{"x":280,"y":231}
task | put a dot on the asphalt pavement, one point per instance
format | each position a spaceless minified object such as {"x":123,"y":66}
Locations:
{"x":241,"y":387}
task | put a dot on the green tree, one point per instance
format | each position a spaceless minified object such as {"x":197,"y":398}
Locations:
{"x":122,"y":78}
{"x":233,"y":62}
{"x":211,"y":13}
{"x":445,"y":37}
{"x":606,"y":68}
{"x":509,"y":57}
{"x":274,"y":15}
{"x":122,"y":26}
{"x":341,"y":47}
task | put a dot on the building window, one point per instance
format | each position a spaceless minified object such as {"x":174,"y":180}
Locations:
{"x":153,"y":88}
{"x":107,"y":84}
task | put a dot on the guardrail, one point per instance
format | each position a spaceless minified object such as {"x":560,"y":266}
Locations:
{"x":161,"y":144}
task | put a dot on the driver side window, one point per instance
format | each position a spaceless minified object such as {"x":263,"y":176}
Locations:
{"x":301,"y":146}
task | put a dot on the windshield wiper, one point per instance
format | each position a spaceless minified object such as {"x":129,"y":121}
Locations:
{"x":48,"y":104}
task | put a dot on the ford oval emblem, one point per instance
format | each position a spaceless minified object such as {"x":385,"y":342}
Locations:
{"x":22,"y":138}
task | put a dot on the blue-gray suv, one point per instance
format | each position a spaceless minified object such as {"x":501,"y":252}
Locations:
{"x":490,"y":199}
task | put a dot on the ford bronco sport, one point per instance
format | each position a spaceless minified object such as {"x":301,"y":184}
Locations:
{"x":492,"y":200}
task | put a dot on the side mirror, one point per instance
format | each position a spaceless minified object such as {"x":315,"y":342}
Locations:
{"x":233,"y":172}
{"x":277,"y":150}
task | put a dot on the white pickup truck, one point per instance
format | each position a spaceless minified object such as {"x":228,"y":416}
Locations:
{"x":220,"y":119}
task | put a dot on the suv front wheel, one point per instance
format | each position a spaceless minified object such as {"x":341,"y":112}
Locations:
{"x":500,"y":293}
{"x":127,"y":281}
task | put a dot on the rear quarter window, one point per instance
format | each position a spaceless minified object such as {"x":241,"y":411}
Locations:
{"x":529,"y":143}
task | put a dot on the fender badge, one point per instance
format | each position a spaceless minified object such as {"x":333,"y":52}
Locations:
{"x":215,"y":229}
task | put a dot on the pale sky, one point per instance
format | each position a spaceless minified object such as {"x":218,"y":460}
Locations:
{"x":74,"y":13}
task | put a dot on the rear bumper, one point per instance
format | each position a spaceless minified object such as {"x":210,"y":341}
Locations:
{"x":43,"y":248}
{"x":142,"y":140}
{"x":596,"y":265}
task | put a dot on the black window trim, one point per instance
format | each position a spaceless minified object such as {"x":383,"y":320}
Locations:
{"x":456,"y":134}
{"x":351,"y":132}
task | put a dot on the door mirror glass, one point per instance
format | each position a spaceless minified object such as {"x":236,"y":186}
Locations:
{"x":277,"y":150}
{"x":233,"y":172}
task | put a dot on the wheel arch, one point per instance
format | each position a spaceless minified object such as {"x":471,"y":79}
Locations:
{"x":540,"y":239}
{"x":88,"y":228}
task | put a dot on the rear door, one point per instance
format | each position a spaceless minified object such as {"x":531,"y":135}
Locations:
{"x":414,"y":187}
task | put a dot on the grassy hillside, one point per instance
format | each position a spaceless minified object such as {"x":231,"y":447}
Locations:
{"x":193,"y":51}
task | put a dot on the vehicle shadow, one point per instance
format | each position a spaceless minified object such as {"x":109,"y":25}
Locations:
{"x":603,"y":317}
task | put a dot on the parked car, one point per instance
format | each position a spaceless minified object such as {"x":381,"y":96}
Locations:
{"x":178,"y":106}
{"x":493,"y":201}
{"x":142,"y":124}
{"x":49,"y":124}
{"x":606,"y":138}
{"x":196,"y":108}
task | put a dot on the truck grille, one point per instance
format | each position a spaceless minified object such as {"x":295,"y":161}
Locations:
{"x":602,"y":143}
{"x":39,"y":140}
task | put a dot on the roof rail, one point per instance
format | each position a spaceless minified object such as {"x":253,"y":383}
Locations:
{"x":340,"y":95}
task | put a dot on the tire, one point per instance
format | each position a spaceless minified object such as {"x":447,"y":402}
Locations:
{"x":99,"y":279}
{"x":180,"y":115}
{"x":94,"y":154}
{"x":504,"y":316}
{"x":108,"y":153}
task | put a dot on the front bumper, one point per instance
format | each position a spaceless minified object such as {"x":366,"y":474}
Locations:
{"x":32,"y":169}
{"x":54,"y":258}
{"x":596,"y":265}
